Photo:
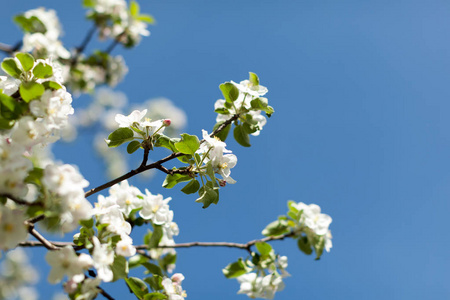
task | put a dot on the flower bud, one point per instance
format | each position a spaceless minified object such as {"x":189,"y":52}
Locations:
{"x":167,"y":122}
{"x":222,"y":183}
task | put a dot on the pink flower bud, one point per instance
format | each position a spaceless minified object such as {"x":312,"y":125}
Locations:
{"x":177,"y":278}
{"x":222,"y":183}
{"x":70,"y":286}
{"x":167,"y":122}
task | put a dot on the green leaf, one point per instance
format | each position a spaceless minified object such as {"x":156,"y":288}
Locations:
{"x":89,"y":223}
{"x":42,"y":70}
{"x":253,"y":78}
{"x":136,"y":261}
{"x":26,"y":60}
{"x":31,"y":90}
{"x":241,"y":136}
{"x":166,"y":142}
{"x":188,"y":144}
{"x":10,"y":67}
{"x":137,"y":286}
{"x":229,"y":91}
{"x":146,"y":18}
{"x":236,"y":269}
{"x":304,"y":245}
{"x":88,"y":3}
{"x":156,"y":236}
{"x":224,"y":133}
{"x":208,"y":194}
{"x":155,"y":296}
{"x":155,"y":282}
{"x":191,"y":187}
{"x":168,"y":259}
{"x":210,"y":172}
{"x":32,"y":24}
{"x":7,"y":101}
{"x":262,"y":104}
{"x":276,"y":228}
{"x":120,"y":136}
{"x":263,"y":248}
{"x":134,"y":8}
{"x":172,"y":180}
{"x":222,"y":111}
{"x":51,"y":85}
{"x":319,"y":245}
{"x":133,"y":146}
{"x":119,"y":267}
{"x":6,"y":124}
{"x":152,"y":268}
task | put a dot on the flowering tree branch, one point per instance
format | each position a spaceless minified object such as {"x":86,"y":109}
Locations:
{"x":80,"y":49}
{"x":10,"y":49}
{"x":20,"y":201}
{"x":156,"y":165}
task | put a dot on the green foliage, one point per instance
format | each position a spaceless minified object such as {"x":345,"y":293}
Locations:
{"x":137,"y":287}
{"x":262,"y":104}
{"x":120,"y":136}
{"x":276,"y":228}
{"x":229,"y":91}
{"x":31,"y":90}
{"x":10,"y":67}
{"x":263,"y":248}
{"x":191,"y":187}
{"x":304,"y":245}
{"x":32,"y":24}
{"x":166,"y":142}
{"x":253,"y":78}
{"x":241,"y":136}
{"x":236,"y":269}
{"x":134,"y":8}
{"x":133,"y":146}
{"x":51,"y":85}
{"x":42,"y":70}
{"x":27,"y":61}
{"x":156,"y":236}
{"x":208,"y":193}
{"x":188,"y":144}
{"x":172,"y":180}
{"x":119,"y":268}
{"x":224,"y":133}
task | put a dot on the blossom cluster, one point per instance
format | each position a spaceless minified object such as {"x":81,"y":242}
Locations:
{"x":261,"y":275}
{"x":116,"y":20}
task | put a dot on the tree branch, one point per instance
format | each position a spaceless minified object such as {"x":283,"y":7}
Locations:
{"x":20,"y":201}
{"x":40,"y":238}
{"x":82,"y":47}
{"x":10,"y":49}
{"x":155,"y":165}
{"x":140,"y":248}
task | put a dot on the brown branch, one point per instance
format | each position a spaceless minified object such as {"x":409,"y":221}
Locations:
{"x":40,"y":238}
{"x":20,"y":201}
{"x":80,"y":49}
{"x":140,"y":248}
{"x":10,"y":49}
{"x":156,"y":165}
{"x":105,"y":294}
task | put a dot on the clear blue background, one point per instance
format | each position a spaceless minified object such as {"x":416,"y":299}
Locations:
{"x":362,"y":128}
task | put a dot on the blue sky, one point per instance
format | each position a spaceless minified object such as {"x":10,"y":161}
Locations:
{"x":361,"y":94}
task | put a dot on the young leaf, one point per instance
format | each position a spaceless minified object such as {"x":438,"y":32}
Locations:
{"x":7,"y":101}
{"x":263,"y":248}
{"x":156,"y":236}
{"x":188,"y":144}
{"x":133,"y":146}
{"x":304,"y":245}
{"x":172,"y":180}
{"x":42,"y":70}
{"x":222,"y":135}
{"x":155,"y":296}
{"x":119,"y":267}
{"x":26,"y":60}
{"x":152,"y":268}
{"x":51,"y":85}
{"x":31,"y":90}
{"x":120,"y":136}
{"x":146,"y":18}
{"x":208,"y":195}
{"x":137,"y":286}
{"x":253,"y":78}
{"x":134,"y":8}
{"x":191,"y":187}
{"x":229,"y":91}
{"x":9,"y":65}
{"x":236,"y":269}
{"x":276,"y":228}
{"x":241,"y":136}
{"x":136,"y":261}
{"x":166,"y":142}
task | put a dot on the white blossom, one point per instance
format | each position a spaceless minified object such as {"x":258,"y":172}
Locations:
{"x":103,"y":257}
{"x":128,"y":121}
{"x":172,"y":287}
{"x":13,"y":230}
{"x":66,"y":262}
{"x":156,"y":208}
{"x":312,"y":218}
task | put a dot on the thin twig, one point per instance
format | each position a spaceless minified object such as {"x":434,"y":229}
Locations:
{"x":82,"y":47}
{"x":40,"y":238}
{"x":105,"y":294}
{"x":36,"y":219}
{"x":156,"y":165}
{"x":141,"y":248}
{"x":9,"y":49}
{"x":20,"y":201}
